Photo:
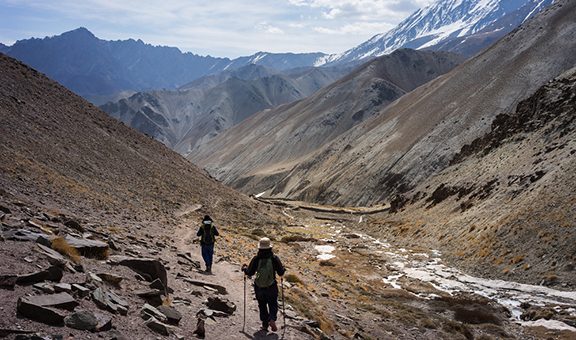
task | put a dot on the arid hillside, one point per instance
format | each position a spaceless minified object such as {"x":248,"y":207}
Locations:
{"x":98,"y":240}
{"x":58,"y":148}
{"x":409,"y":140}
{"x":506,"y":205}
{"x":261,"y":153}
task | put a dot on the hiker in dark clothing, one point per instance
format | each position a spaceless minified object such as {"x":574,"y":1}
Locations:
{"x":207,"y":233}
{"x":266,"y":265}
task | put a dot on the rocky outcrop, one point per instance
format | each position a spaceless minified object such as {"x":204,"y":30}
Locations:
{"x":151,"y":269}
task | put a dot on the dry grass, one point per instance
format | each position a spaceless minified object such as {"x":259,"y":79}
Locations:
{"x":167,"y":301}
{"x":292,"y":278}
{"x":302,"y":302}
{"x":60,"y":245}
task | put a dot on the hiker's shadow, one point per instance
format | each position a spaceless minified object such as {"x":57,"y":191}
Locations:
{"x":261,"y":334}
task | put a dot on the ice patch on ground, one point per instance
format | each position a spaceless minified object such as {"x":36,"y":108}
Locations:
{"x":550,"y":324}
{"x":325,"y":252}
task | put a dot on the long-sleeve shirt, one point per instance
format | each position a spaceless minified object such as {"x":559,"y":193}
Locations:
{"x":203,"y":238}
{"x":264,"y":254}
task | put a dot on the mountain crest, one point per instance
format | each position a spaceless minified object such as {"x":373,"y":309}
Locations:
{"x":449,"y":20}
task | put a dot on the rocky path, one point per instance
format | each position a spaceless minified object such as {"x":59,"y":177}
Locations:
{"x":228,"y":274}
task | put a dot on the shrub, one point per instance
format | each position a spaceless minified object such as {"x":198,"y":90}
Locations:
{"x":60,"y":245}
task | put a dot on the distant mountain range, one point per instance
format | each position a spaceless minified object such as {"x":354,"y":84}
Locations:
{"x":395,"y":147}
{"x":261,"y":152}
{"x":461,"y":26}
{"x":97,"y":69}
{"x":186,"y":118}
{"x":479,"y":161}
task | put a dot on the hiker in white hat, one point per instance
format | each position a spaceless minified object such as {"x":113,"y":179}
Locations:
{"x":266,"y":265}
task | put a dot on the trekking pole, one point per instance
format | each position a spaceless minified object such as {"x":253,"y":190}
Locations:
{"x":283,"y":303}
{"x":244,"y":324}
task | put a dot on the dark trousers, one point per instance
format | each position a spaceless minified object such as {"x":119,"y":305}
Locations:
{"x":267,"y":302}
{"x":208,"y":254}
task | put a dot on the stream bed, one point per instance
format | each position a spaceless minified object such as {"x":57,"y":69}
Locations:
{"x":428,"y":267}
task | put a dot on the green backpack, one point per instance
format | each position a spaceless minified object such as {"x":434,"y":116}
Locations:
{"x":264,"y":273}
{"x":207,"y":234}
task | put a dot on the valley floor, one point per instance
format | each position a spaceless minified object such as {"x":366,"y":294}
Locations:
{"x":341,"y":283}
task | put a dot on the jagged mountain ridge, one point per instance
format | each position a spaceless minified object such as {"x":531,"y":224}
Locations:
{"x":462,"y":26}
{"x":95,"y":68}
{"x":260,"y":152}
{"x":186,"y":119}
{"x":416,"y":136}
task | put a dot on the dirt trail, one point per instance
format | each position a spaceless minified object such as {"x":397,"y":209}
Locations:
{"x":228,"y":274}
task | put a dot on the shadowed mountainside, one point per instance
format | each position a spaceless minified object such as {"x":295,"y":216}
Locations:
{"x":186,"y":119}
{"x":260,"y":153}
{"x":418,"y":135}
{"x":56,"y":147}
{"x":505,"y":207}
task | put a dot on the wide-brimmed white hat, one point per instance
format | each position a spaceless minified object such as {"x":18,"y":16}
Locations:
{"x":264,"y":243}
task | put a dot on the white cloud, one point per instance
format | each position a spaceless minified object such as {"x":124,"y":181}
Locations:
{"x":332,"y":13}
{"x":216,"y":27}
{"x":266,"y":27}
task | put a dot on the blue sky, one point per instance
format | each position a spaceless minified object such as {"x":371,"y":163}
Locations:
{"x":214,"y":27}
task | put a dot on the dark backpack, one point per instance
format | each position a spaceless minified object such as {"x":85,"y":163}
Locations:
{"x":265,"y":273}
{"x":207,"y":234}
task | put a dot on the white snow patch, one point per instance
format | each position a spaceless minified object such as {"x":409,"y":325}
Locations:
{"x":325,"y":252}
{"x":260,"y":194}
{"x":550,"y":324}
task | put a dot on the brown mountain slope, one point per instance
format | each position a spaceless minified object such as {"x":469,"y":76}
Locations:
{"x":56,"y":147}
{"x":265,"y":148}
{"x":507,"y":204}
{"x":419,"y":134}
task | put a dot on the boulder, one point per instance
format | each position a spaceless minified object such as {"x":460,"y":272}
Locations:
{"x":111,"y":278}
{"x":74,"y":225}
{"x":83,"y":320}
{"x":223,"y":305}
{"x":52,"y":273}
{"x":60,"y":300}
{"x":149,"y":311}
{"x":153,"y":296}
{"x":110,"y":301}
{"x":171,"y":314}
{"x":54,"y":257}
{"x":44,"y":287}
{"x":158,"y":326}
{"x":22,"y":235}
{"x":40,"y":313}
{"x":88,"y":248}
{"x":8,"y":281}
{"x":212,"y":313}
{"x":104,"y":323}
{"x":219,"y":289}
{"x":188,"y":258}
{"x":80,"y":290}
{"x":146,"y":267}
{"x":63,"y":287}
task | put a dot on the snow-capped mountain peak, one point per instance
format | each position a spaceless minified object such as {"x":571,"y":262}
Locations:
{"x":445,"y":20}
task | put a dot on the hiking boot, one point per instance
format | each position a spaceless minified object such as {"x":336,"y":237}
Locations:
{"x":273,"y":326}
{"x":209,"y":269}
{"x":265,"y":326}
